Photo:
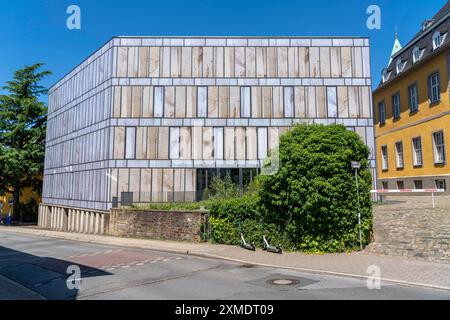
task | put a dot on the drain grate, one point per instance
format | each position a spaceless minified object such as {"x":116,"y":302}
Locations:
{"x":283,"y":282}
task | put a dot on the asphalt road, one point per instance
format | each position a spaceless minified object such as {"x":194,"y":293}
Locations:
{"x":36,"y":268}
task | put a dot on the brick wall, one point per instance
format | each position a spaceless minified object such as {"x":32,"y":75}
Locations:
{"x":155,"y":224}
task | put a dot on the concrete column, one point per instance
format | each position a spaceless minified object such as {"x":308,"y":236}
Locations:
{"x":72,"y":220}
{"x":102,"y":224}
{"x":52,"y":218}
{"x":97,"y":223}
{"x":45,"y":222}
{"x":91,"y":223}
{"x":58,"y":212}
{"x":77,"y":220}
{"x":87,"y":228}
{"x":44,"y":216}
{"x":80,"y":225}
{"x":64,"y":220}
{"x":69,"y":221}
{"x":39,"y":215}
{"x":84,"y":214}
{"x":47,"y":218}
{"x":80,"y":221}
{"x":84,"y":222}
{"x":60,"y":215}
{"x":57,"y":218}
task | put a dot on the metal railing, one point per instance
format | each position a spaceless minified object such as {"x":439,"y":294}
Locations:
{"x":383,"y":192}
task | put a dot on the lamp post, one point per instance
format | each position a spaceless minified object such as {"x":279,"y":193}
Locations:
{"x":356,"y":166}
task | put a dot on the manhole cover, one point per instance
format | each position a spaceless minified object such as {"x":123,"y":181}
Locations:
{"x":283,"y":282}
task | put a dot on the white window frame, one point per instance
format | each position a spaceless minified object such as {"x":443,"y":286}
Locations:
{"x":434,"y":87}
{"x":437,"y":40}
{"x":399,"y":66}
{"x":417,"y":54}
{"x":418,"y":187}
{"x":413,"y":97}
{"x":384,"y":158}
{"x":399,"y":155}
{"x":386,"y":75}
{"x":417,"y":151}
{"x":441,"y":184}
{"x":396,"y":105}
{"x":382,"y":107}
{"x":439,"y":147}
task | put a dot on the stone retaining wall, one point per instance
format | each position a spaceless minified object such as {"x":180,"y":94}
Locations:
{"x":156,"y":224}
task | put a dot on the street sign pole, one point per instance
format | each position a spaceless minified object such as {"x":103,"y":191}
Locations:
{"x":356,"y":166}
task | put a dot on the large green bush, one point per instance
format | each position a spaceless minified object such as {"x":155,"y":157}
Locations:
{"x":236,"y":209}
{"x":230,"y":217}
{"x":312,"y":196}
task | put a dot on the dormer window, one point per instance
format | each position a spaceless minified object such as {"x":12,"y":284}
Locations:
{"x":417,"y":54}
{"x":438,"y":39}
{"x":385,"y":75}
{"x":400,"y":65}
{"x":426,"y":24}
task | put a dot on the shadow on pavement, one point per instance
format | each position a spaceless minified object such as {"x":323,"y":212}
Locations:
{"x":51,"y":278}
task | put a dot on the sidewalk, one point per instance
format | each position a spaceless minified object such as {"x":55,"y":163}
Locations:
{"x":393,"y":269}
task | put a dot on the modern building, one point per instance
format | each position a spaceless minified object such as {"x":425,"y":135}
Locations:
{"x":159,"y":116}
{"x":412,"y":122}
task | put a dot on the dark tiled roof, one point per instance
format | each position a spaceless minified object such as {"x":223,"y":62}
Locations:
{"x":423,"y":40}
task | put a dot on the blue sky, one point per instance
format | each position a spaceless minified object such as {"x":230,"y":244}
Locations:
{"x":35,"y":31}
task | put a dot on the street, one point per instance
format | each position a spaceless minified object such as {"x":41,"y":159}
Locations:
{"x":36,"y":268}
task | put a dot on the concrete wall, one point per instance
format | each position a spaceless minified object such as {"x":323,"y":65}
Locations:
{"x":153,"y":224}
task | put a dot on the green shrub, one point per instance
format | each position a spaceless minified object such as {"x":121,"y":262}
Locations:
{"x":312,"y":196}
{"x":223,"y":231}
{"x":223,"y":188}
{"x":169,"y":206}
{"x":236,"y":209}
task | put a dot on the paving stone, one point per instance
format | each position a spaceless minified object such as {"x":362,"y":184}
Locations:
{"x":409,"y":226}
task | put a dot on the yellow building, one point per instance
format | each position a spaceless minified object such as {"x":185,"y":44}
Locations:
{"x":27,"y":194}
{"x":412,"y":111}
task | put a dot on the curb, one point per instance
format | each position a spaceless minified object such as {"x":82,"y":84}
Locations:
{"x":73,"y":237}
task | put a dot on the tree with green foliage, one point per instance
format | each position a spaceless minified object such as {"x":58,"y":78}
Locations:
{"x":312,"y":196}
{"x":22,"y":133}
